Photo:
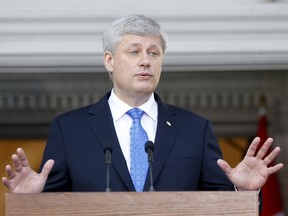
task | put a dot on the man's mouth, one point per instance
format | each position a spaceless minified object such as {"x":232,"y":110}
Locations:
{"x":144,"y":74}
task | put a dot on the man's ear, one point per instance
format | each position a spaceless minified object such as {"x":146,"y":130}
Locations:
{"x":108,"y":59}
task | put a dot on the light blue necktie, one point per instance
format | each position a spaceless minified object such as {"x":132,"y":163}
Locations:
{"x":138,"y":138}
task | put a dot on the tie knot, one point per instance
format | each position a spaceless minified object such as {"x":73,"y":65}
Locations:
{"x":135,"y":113}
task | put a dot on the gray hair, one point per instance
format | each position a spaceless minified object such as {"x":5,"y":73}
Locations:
{"x":140,"y":25}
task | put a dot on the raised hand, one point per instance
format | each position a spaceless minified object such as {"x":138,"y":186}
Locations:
{"x":22,"y":179}
{"x":253,"y":171}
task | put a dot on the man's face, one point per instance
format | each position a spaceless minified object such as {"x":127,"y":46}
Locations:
{"x":136,"y":65}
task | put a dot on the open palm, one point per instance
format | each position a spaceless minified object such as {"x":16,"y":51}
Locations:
{"x":253,"y":171}
{"x":22,"y":179}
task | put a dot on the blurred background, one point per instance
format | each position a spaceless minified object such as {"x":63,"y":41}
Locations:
{"x":226,"y":60}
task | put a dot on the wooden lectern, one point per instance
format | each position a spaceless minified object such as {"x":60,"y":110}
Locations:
{"x":132,"y":203}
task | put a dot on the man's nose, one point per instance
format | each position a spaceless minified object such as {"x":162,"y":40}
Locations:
{"x":144,"y":60}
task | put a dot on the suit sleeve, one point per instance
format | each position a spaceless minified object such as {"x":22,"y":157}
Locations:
{"x":212,"y":176}
{"x":58,"y":179}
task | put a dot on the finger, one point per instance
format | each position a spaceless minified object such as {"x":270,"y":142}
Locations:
{"x":275,"y":168}
{"x":6,"y":182}
{"x":16,"y":163}
{"x":253,"y":147}
{"x":264,"y":148}
{"x":22,"y":156}
{"x":224,"y":166}
{"x":47,"y":168}
{"x":10,"y":172}
{"x":272,"y":156}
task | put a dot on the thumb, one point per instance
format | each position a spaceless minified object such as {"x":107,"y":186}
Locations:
{"x":224,"y":166}
{"x":47,"y":168}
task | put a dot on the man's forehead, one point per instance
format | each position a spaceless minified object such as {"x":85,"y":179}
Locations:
{"x":137,"y":40}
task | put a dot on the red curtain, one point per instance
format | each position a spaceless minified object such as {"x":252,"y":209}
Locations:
{"x":272,"y":204}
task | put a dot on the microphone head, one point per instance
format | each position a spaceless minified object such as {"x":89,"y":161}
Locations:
{"x":149,"y":145}
{"x":107,"y":146}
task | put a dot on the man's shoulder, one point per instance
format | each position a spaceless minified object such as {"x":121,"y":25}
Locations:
{"x":184,"y":111}
{"x":75,"y":113}
{"x":84,"y":111}
{"x":178,"y":111}
{"x":186,"y":116}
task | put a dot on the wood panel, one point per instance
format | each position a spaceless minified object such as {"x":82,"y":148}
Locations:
{"x":33,"y":148}
{"x":133,"y":203}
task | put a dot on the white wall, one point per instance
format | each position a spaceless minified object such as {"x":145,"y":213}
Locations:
{"x":203,"y":35}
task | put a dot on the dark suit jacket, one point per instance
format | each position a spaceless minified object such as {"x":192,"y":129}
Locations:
{"x":185,"y":152}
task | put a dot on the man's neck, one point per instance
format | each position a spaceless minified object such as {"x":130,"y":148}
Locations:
{"x":134,"y":100}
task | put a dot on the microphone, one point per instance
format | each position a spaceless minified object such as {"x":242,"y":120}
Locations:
{"x":108,"y":152}
{"x":149,"y":148}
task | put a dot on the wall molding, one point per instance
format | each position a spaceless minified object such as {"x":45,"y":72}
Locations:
{"x":229,"y":99}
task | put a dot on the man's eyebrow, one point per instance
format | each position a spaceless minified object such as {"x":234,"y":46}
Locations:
{"x":139,"y":44}
{"x":134,"y":44}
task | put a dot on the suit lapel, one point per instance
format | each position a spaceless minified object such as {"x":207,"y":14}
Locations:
{"x":102,"y":125}
{"x":166,"y":133}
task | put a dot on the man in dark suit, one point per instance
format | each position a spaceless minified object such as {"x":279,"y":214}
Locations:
{"x":186,"y":156}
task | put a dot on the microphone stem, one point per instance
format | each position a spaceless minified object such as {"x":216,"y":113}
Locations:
{"x":108,"y":189}
{"x":151,"y":177}
{"x":150,"y":158}
{"x":108,"y":163}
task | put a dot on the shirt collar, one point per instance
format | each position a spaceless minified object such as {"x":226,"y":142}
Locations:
{"x":119,"y":108}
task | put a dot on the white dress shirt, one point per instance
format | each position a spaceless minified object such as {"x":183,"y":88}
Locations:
{"x":123,"y":122}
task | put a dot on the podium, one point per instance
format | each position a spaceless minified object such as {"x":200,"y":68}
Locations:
{"x":132,"y":203}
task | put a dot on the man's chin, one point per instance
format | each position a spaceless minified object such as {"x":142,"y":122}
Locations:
{"x":145,"y":91}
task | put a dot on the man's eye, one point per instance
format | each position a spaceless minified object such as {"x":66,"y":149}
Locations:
{"x":133,"y":52}
{"x":153,"y":54}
